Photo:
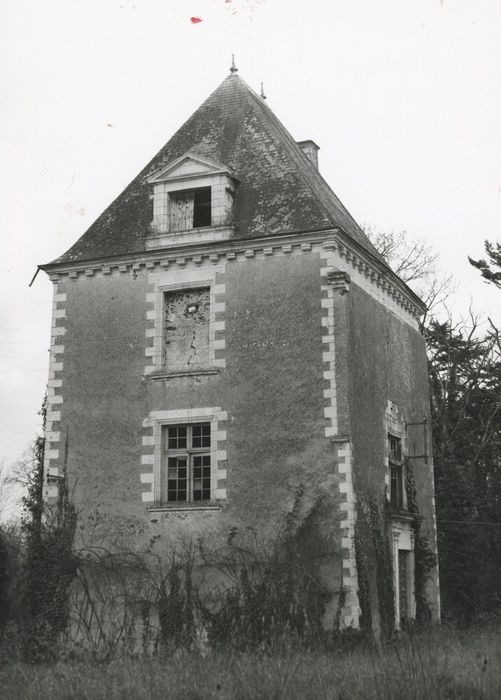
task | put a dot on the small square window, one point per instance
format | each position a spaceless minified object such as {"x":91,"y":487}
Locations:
{"x":177,"y":437}
{"x":201,"y":435}
{"x":186,"y":463}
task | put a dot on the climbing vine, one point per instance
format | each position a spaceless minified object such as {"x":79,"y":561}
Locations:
{"x":373,"y":555}
{"x":364,"y":598}
{"x":424,"y":556}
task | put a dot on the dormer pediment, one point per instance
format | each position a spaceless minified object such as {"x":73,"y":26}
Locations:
{"x":192,"y":197}
{"x":189,"y":166}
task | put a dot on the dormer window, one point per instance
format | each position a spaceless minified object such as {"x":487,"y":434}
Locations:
{"x":190,"y":209}
{"x":189,"y":194}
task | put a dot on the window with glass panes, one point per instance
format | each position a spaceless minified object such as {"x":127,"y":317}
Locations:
{"x":186,"y":464}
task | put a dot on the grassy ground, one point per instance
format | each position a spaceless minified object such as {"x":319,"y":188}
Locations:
{"x":442,"y":663}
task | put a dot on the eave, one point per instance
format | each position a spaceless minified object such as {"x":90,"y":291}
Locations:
{"x":334,"y":238}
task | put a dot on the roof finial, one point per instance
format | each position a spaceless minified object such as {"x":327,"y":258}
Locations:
{"x":263,"y":96}
{"x":233,"y":68}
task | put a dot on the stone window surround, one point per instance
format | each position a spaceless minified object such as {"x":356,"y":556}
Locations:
{"x":218,"y":182}
{"x":402,"y":536}
{"x":190,"y":172}
{"x":157,"y":420}
{"x":196,"y":280}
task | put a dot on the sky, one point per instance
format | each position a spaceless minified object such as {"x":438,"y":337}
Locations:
{"x":402,"y":96}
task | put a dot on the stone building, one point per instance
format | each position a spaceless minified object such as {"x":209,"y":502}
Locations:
{"x":225,"y":336}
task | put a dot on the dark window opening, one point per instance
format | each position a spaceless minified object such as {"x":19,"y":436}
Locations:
{"x":190,"y":209}
{"x":202,"y":207}
{"x":396,"y":473}
{"x":186,"y":473}
{"x":403,"y":586}
{"x":396,"y":495}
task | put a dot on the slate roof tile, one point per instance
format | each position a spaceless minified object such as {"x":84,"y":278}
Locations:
{"x":280,"y":189}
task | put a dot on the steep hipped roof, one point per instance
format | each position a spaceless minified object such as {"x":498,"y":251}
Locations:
{"x":280,"y":189}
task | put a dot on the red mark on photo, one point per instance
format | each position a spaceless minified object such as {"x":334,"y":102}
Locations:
{"x":195,"y":20}
{"x":71,"y":209}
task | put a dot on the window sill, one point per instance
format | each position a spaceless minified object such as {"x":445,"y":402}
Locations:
{"x":403,"y":515}
{"x":207,"y":234}
{"x":201,"y":372}
{"x":183,"y":507}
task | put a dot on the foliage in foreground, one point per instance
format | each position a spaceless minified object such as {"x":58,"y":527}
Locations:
{"x":101,"y":599}
{"x":435,"y":664}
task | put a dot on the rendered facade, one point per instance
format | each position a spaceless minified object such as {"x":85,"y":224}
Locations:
{"x":224,"y":336}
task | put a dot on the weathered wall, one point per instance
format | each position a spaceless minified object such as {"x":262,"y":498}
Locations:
{"x":386,"y":362}
{"x":274,"y":381}
{"x":103,"y":395}
{"x":271,"y":389}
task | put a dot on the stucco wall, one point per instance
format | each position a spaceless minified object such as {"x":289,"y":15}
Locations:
{"x":271,"y":389}
{"x":272,"y":392}
{"x":104,"y":398}
{"x":282,"y":433}
{"x":387,"y":362}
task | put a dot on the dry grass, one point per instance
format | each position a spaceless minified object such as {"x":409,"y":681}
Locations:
{"x":440,"y":663}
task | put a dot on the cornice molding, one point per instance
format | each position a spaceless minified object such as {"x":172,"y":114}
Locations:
{"x":339,"y":280}
{"x":215,"y":251}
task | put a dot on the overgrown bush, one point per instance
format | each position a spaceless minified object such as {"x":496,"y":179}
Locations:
{"x":37,"y":566}
{"x":246,"y":594}
{"x":49,"y":566}
{"x":272,"y":589}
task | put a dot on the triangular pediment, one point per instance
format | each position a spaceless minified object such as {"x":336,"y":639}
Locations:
{"x":188,"y":165}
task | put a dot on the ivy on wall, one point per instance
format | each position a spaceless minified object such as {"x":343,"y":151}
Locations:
{"x":425,"y":559}
{"x":373,"y":555}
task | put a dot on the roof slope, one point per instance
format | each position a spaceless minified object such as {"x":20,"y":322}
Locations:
{"x":280,"y":189}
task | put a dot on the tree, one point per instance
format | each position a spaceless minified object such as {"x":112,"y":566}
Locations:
{"x":49,"y":564}
{"x":465,"y":384}
{"x":416,"y":263}
{"x":487,"y":267}
{"x":464,"y":364}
